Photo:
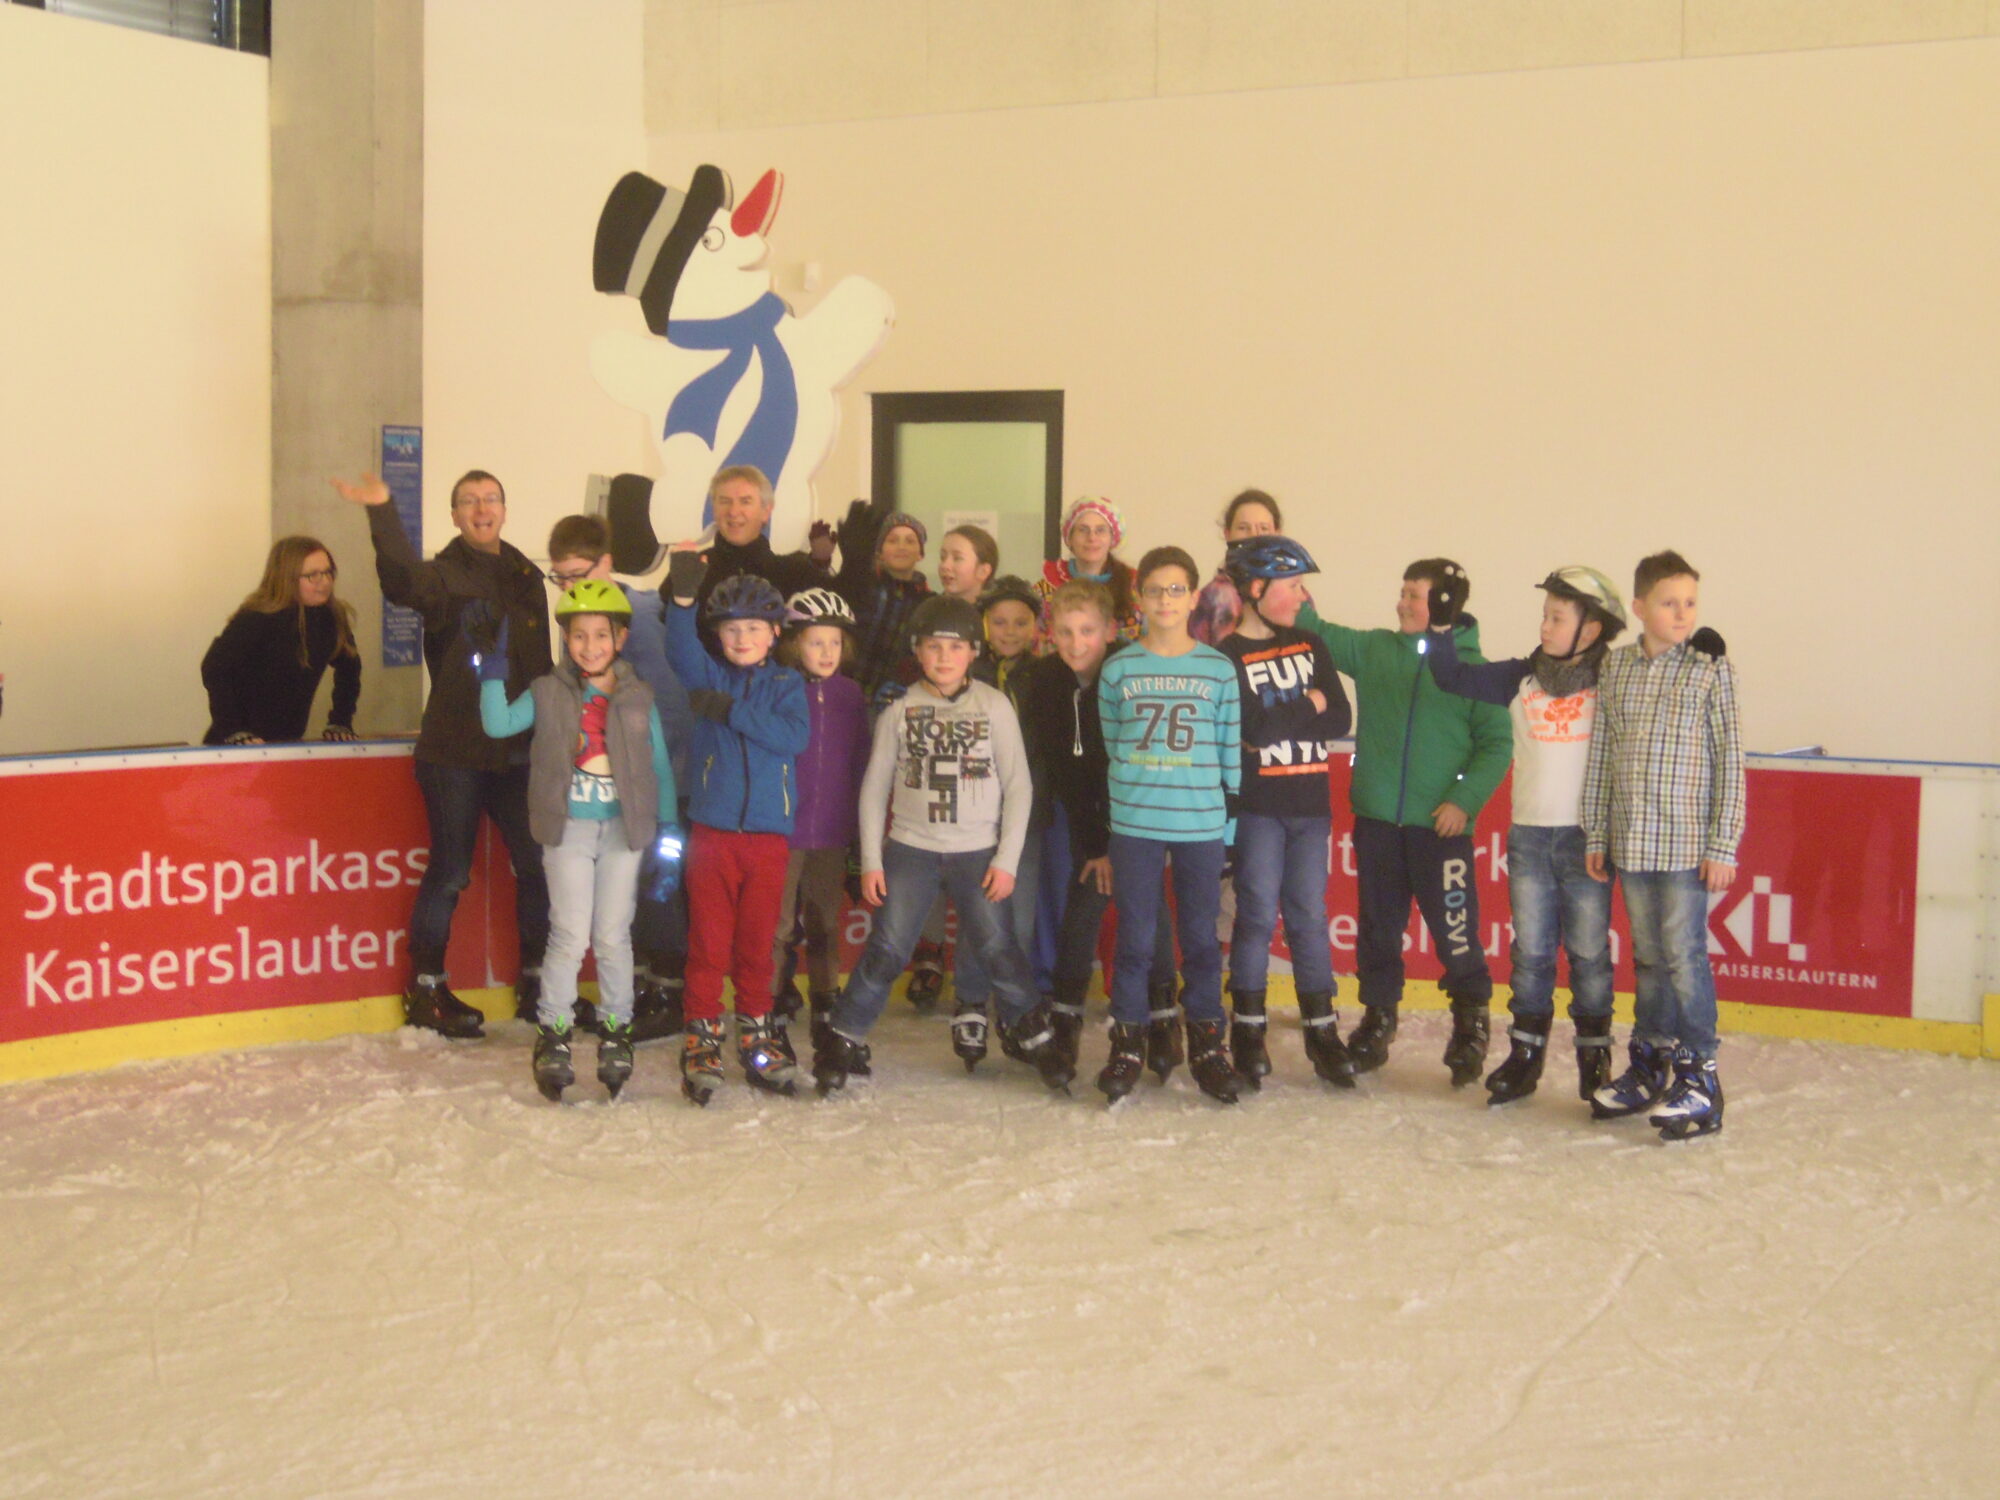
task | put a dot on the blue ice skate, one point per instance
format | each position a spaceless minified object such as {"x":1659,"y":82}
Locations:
{"x":1693,"y":1106}
{"x":1638,"y":1087}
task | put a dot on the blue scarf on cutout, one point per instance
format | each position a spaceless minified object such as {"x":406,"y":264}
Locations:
{"x":767,"y":438}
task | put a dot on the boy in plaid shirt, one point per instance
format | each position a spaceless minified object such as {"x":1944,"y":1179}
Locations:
{"x":1663,"y":805}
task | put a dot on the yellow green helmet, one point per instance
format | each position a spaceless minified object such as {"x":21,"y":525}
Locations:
{"x":594,"y":596}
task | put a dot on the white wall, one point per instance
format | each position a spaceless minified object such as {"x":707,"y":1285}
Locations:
{"x":1746,"y":307}
{"x":135,"y":295}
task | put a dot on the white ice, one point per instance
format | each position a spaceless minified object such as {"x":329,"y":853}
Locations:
{"x":385,"y":1267}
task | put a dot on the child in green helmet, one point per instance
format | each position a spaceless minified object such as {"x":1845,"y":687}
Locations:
{"x":600,"y":795}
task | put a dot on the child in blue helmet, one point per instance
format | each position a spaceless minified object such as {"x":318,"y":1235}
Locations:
{"x":1293,"y":708}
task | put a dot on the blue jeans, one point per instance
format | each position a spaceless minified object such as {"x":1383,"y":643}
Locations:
{"x":455,"y":797}
{"x":913,"y":878}
{"x":971,"y":985}
{"x":1138,"y":867}
{"x":1557,"y":904}
{"x":1676,"y":987}
{"x":1281,"y":862}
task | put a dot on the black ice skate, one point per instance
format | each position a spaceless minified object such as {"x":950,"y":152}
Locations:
{"x":1465,"y":1050}
{"x":1693,"y":1106}
{"x":1127,"y":1063}
{"x":822,"y":1003}
{"x":1368,"y":1045}
{"x":1518,"y":1074}
{"x":1324,"y":1047}
{"x":766,"y":1054}
{"x":1032,"y":1040}
{"x":528,"y":994}
{"x":838,"y":1060}
{"x":1208,"y":1061}
{"x":1593,"y":1055}
{"x":553,"y":1070}
{"x":1066,"y":1020}
{"x":968,"y":1035}
{"x":586,"y":1017}
{"x":429,"y":1003}
{"x":656,"y":1007}
{"x":926,"y":977}
{"x":1163,"y":1032}
{"x":1247,"y":1048}
{"x":701,"y":1060}
{"x":614,"y":1057}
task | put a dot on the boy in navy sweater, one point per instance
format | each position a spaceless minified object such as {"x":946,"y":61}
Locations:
{"x":752,"y":723}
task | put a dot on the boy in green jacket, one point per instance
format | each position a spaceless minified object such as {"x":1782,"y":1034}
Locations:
{"x":1425,"y":762}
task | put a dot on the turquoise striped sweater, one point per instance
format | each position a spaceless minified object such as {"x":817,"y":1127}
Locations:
{"x":1173,"y":732}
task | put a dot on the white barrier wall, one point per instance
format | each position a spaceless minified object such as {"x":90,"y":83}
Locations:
{"x":135,"y":298}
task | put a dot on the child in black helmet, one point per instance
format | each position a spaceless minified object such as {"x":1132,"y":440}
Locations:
{"x":1293,"y":708}
{"x":600,"y":791}
{"x":1551,"y":697}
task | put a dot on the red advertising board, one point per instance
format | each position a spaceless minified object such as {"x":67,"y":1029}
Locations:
{"x":204,"y":882}
{"x":211,"y":882}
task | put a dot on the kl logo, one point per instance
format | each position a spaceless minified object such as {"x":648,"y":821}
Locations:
{"x":1741,"y":922}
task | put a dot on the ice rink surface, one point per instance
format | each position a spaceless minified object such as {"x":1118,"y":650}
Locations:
{"x":383,"y":1266}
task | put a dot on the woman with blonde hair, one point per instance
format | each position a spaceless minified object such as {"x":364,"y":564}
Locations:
{"x":263,"y":670}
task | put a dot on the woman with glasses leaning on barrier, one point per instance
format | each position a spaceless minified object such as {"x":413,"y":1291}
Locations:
{"x":264,"y":668}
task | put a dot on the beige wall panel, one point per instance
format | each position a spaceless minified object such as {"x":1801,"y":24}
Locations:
{"x":1209,"y":46}
{"x":136,"y":387}
{"x":1490,"y":36}
{"x":799,"y":60}
{"x":1720,"y":26}
{"x":986,"y":56}
{"x":1741,"y":307}
{"x":530,"y":118}
{"x":683,"y":42}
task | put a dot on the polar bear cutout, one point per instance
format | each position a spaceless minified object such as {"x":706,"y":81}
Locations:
{"x":728,"y":373}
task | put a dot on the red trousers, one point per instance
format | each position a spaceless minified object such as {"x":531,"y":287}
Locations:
{"x":735,"y":885}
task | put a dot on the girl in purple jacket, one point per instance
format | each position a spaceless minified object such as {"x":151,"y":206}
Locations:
{"x":818,"y":639}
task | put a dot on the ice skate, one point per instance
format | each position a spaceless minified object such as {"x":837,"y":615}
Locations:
{"x":786,"y":1001}
{"x":822,"y":1003}
{"x":429,"y":1003}
{"x":1521,"y":1070}
{"x":1638,"y":1087}
{"x":614,"y":1057}
{"x":1693,"y":1106}
{"x":1368,"y":1045}
{"x":553,"y":1069}
{"x":1163,"y":1033}
{"x":1324,"y":1047}
{"x":926,"y":977}
{"x":1032,"y":1040}
{"x":1127,"y":1063}
{"x":1208,"y":1061}
{"x":701,"y":1060}
{"x":1593,"y":1055}
{"x":1465,"y":1051}
{"x":837,"y":1061}
{"x":656,"y":1007}
{"x":1066,"y":1020}
{"x":1247,"y":1049}
{"x":968,"y":1035}
{"x":586,"y":1017}
{"x":766,"y":1055}
{"x":528,"y":994}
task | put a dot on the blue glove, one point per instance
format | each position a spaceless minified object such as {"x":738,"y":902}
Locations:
{"x":491,"y":664}
{"x":660,"y":870}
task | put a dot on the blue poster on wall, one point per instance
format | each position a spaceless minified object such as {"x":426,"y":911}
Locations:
{"x":403,"y":471}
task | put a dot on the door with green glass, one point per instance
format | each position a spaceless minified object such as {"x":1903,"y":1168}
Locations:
{"x":987,"y":458}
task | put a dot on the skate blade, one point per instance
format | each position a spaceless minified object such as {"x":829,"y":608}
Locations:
{"x":1494,"y":1101}
{"x":551,"y":1090}
{"x":1688,"y":1130}
{"x":788,"y":1088}
{"x":970,"y":1063}
{"x":700,"y":1092}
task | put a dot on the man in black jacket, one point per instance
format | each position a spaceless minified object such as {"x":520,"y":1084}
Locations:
{"x":741,"y":498}
{"x":463,"y":594}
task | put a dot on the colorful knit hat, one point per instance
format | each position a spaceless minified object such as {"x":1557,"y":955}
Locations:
{"x":1099,"y":506}
{"x":897,"y":518}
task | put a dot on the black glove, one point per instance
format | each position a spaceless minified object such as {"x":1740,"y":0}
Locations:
{"x":685,"y":571}
{"x":859,"y":528}
{"x":1447,"y":597}
{"x":710,"y":704}
{"x":479,"y":620}
{"x":1708,"y":643}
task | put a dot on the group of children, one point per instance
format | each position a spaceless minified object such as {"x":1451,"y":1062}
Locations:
{"x":1078,"y":728}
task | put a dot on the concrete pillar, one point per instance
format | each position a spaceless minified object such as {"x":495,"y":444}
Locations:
{"x":347,"y":114}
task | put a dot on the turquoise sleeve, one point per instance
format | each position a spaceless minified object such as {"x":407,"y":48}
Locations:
{"x":501,"y":719}
{"x":663,"y":769}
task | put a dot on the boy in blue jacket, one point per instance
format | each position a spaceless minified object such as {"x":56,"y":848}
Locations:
{"x":751,"y":724}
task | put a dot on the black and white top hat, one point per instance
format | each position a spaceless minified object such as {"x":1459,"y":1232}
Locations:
{"x":647,"y":231}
